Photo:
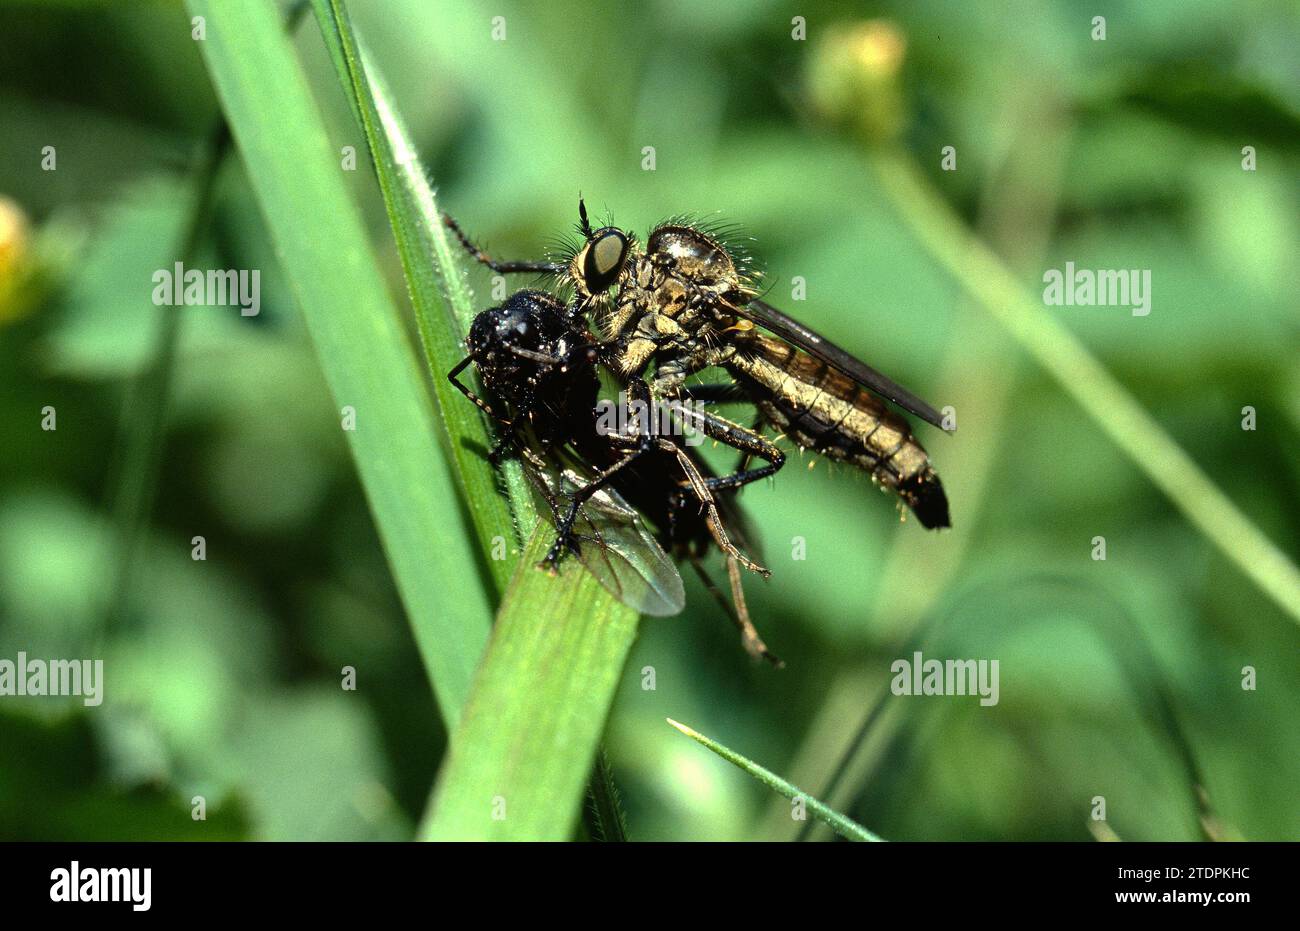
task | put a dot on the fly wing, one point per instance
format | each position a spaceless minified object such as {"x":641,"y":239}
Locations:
{"x":818,"y":346}
{"x":613,"y":543}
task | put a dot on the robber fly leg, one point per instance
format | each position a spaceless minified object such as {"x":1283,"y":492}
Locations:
{"x":749,"y":442}
{"x":501,"y":268}
{"x":742,"y":463}
{"x":639,"y":390}
{"x":748,"y":633}
{"x":738,"y":611}
{"x":723,"y":393}
{"x":712,"y":519}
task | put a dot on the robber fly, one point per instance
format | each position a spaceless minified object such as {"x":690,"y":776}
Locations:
{"x":538,"y":362}
{"x":685,"y":304}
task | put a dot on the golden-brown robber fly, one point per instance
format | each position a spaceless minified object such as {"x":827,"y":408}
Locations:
{"x":682,"y":303}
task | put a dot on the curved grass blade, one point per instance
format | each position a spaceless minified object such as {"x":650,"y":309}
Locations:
{"x":357,"y":331}
{"x":429,"y":260}
{"x":520,"y":760}
{"x":1055,"y":347}
{"x":439,"y":295}
{"x":138,"y":460}
{"x":840,"y":824}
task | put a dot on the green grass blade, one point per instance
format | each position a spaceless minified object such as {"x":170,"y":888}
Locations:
{"x":439,"y":294}
{"x":604,"y":812}
{"x":443,"y":311}
{"x":135,"y":475}
{"x":521,"y":758}
{"x":844,"y":826}
{"x":357,"y":331}
{"x":1053,"y":346}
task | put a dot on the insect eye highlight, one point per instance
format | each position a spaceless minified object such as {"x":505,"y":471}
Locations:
{"x":603,"y":259}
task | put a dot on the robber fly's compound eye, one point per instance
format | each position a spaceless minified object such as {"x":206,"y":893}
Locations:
{"x":603,"y":259}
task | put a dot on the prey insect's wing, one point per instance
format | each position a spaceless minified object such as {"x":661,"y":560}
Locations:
{"x":613,"y":543}
{"x":818,"y":346}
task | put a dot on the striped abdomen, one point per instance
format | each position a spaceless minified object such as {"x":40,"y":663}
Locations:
{"x":821,"y":409}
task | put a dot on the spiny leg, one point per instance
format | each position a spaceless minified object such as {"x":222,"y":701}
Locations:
{"x":501,"y":268}
{"x":724,"y":392}
{"x":738,"y":611}
{"x":712,"y":519}
{"x":638,"y":390}
{"x":749,"y":442}
{"x":479,"y":402}
{"x":748,"y":632}
{"x":506,"y":443}
{"x":742,"y":463}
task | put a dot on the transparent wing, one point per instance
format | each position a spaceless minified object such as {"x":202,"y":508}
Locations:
{"x":612,"y":542}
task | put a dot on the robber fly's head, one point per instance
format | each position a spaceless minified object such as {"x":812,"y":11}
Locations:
{"x":597,"y":265}
{"x":525,"y":345}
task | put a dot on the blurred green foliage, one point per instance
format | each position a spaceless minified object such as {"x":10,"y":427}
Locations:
{"x":1119,"y":679}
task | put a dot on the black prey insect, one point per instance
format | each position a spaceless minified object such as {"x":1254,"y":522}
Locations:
{"x":538,"y":362}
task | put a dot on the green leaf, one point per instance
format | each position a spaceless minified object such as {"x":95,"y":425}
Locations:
{"x":368,"y":362}
{"x":443,"y":306}
{"x":840,"y":824}
{"x":525,"y":747}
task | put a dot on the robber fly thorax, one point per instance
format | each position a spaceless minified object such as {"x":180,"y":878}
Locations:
{"x":683,"y":303}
